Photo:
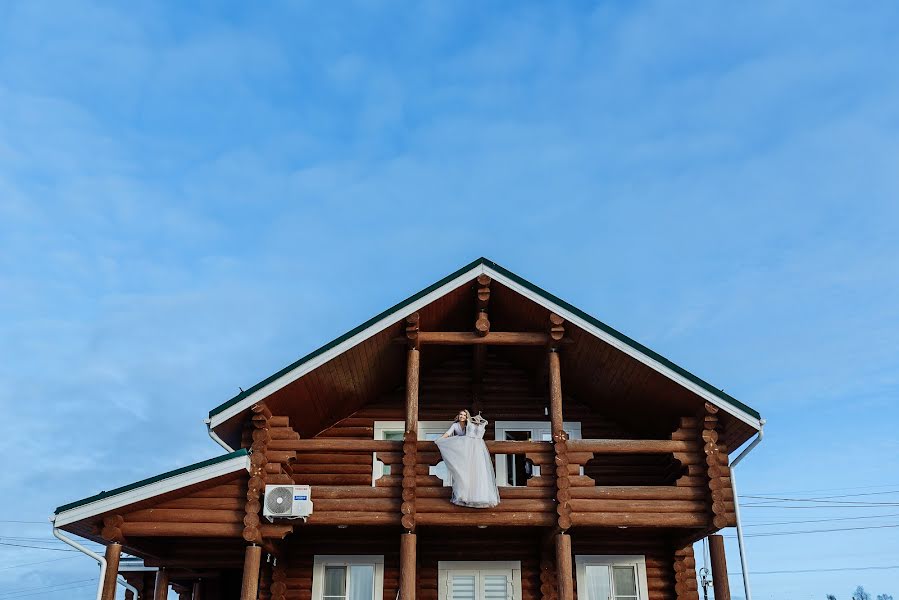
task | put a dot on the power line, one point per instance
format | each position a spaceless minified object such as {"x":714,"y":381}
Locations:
{"x":774,"y":533}
{"x":39,"y":562}
{"x":7,"y":593}
{"x":821,"y":520}
{"x":862,"y":487}
{"x":37,"y":547}
{"x":818,"y":570}
{"x":822,"y":500}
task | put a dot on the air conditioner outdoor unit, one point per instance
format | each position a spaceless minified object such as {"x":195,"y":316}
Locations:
{"x":287,"y":502}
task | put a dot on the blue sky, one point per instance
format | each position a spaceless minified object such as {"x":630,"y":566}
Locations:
{"x":191,"y":199}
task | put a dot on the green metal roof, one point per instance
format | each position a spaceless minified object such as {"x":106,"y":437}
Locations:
{"x":150,"y":480}
{"x":524,"y":283}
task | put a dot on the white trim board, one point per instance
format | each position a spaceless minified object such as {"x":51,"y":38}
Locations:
{"x":150,"y":490}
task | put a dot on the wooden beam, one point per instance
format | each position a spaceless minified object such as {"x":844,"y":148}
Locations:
{"x":413,"y":373}
{"x":197,"y":593}
{"x":249,"y":587}
{"x":630,"y":446}
{"x":719,"y":567}
{"x":555,"y":395}
{"x":495,"y":338}
{"x":564,"y":571}
{"x":408,"y":576}
{"x":161,"y":589}
{"x":113,"y":553}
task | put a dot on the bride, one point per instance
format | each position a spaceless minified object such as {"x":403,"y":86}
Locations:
{"x":468,"y":462}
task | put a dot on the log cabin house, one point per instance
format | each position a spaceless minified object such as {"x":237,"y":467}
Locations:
{"x":611,"y":462}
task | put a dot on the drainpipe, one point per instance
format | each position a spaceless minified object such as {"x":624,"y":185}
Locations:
{"x":128,"y":587}
{"x":216,"y":438}
{"x":101,"y":560}
{"x":733,"y":484}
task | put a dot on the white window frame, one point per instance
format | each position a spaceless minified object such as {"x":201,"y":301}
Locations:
{"x":582,"y":561}
{"x":537,"y":429}
{"x":382,"y":427}
{"x":347,"y":560}
{"x":445,"y":567}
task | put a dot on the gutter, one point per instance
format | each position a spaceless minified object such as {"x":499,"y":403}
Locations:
{"x":215,"y":437}
{"x":733,"y":484}
{"x":101,"y":560}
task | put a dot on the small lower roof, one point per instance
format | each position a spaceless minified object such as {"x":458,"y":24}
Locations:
{"x":152,"y":486}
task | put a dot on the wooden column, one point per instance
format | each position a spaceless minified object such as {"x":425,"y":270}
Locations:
{"x":718,"y":508}
{"x":719,"y":567}
{"x":557,"y":424}
{"x":564,"y":570}
{"x":198,"y":590}
{"x":410,"y":437}
{"x":408,"y":575}
{"x":161,"y":590}
{"x":249,"y":587}
{"x":113,"y":552}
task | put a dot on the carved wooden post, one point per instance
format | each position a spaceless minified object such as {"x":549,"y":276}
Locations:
{"x":719,"y":567}
{"x":161,"y":589}
{"x":198,"y":590}
{"x":479,"y":351}
{"x":113,"y":553}
{"x":557,"y":424}
{"x":249,"y":588}
{"x":410,"y":437}
{"x":408,"y":576}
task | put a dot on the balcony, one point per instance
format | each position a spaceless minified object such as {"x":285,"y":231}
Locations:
{"x":674,"y":489}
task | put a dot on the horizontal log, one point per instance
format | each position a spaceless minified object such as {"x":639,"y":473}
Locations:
{"x":638,"y":493}
{"x":352,"y":491}
{"x":423,"y":505}
{"x":332,"y":479}
{"x":357,"y":505}
{"x":185,"y":515}
{"x":641,"y":506}
{"x":236,"y":490}
{"x":354,"y":518}
{"x":361,"y":458}
{"x":523,"y":492}
{"x":148,"y":529}
{"x":498,"y":447}
{"x":496,"y":338}
{"x":474,"y":516}
{"x":279,"y":421}
{"x":205,"y":503}
{"x":336,"y":445}
{"x":639,"y":519}
{"x":348,"y":432}
{"x":628,"y":446}
{"x":332,"y":469}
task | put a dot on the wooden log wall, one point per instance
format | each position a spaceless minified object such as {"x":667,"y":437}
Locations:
{"x":686,"y":586}
{"x":665,"y":568}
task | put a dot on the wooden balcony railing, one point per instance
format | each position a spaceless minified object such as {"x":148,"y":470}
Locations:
{"x":340,"y":471}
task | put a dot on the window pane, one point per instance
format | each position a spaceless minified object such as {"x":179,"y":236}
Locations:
{"x":462,"y":587}
{"x":625,"y":581}
{"x":496,"y":587}
{"x":598,"y":587}
{"x":393,"y":435}
{"x":362,"y":582}
{"x":335,"y":582}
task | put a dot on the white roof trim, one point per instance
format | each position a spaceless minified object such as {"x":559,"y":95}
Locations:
{"x":465,"y":277}
{"x":387,"y":321}
{"x":150,"y":490}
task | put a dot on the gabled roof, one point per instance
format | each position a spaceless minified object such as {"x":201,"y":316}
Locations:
{"x":152,"y":486}
{"x":227,"y":411}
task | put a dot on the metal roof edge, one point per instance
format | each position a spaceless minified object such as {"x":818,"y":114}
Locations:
{"x":150,"y":480}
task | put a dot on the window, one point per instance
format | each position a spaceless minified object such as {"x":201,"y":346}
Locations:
{"x":514,"y":469}
{"x":395,"y":430}
{"x":348,"y":578}
{"x":486,"y":580}
{"x":611,"y":577}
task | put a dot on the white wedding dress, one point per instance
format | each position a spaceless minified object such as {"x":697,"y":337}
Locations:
{"x":468,"y":463}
